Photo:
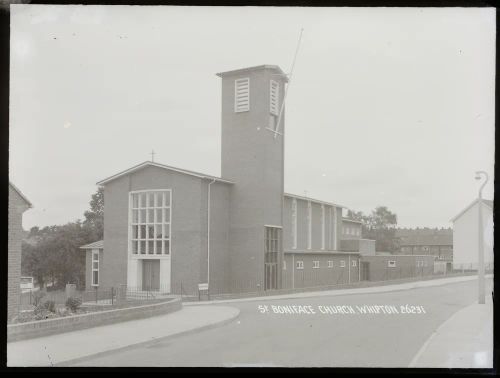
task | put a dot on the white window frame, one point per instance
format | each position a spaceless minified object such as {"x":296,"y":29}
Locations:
{"x":299,"y":264}
{"x":309,"y":225}
{"x":164,"y":224}
{"x":323,"y":227}
{"x":274,"y":97}
{"x":330,"y":263}
{"x":95,"y":253}
{"x":354,"y":263}
{"x":342,"y":263}
{"x":391,"y":263}
{"x":238,"y":108}
{"x":294,"y":223}
{"x":315,"y":264}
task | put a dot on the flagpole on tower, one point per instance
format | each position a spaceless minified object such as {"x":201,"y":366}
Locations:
{"x":288,"y":86}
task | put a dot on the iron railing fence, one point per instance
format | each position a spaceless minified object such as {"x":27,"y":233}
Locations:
{"x":291,"y":280}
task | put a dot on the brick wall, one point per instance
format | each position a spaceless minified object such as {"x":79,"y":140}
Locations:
{"x":322,"y":276}
{"x":406,"y":266}
{"x":189,"y":228}
{"x":17,"y":206}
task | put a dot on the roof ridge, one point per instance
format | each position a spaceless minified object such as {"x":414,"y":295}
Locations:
{"x":164,"y":166}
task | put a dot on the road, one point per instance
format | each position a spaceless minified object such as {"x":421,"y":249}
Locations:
{"x":333,"y":340}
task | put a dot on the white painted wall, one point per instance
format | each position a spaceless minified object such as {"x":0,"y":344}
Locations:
{"x":132,"y":273}
{"x":465,"y":238}
{"x":165,"y":275}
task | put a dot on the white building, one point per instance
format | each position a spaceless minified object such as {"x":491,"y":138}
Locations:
{"x":465,"y":236}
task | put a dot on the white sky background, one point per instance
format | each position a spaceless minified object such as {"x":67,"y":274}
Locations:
{"x":389,"y":107}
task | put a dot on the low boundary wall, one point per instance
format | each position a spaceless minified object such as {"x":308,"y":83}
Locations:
{"x":29,"y":330}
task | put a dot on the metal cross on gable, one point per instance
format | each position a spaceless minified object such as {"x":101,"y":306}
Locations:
{"x":152,"y":155}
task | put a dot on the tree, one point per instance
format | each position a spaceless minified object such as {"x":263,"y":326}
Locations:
{"x":94,"y":218}
{"x":379,"y":226}
{"x":53,"y":254}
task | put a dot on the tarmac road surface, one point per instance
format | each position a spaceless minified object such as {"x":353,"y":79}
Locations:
{"x":340,"y":337}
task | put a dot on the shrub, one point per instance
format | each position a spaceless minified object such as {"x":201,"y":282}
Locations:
{"x":50,"y":306}
{"x":73,"y":303}
{"x":43,"y":313}
{"x":37,"y":297}
{"x":40,"y":311}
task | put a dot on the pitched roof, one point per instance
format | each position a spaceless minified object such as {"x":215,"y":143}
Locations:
{"x":254,"y":68}
{"x":20,"y":194}
{"x":426,"y":239}
{"x":488,"y":203}
{"x":316,"y":252}
{"x":312,"y":200}
{"x":163,"y":166}
{"x":95,"y":245}
{"x":351,"y":220}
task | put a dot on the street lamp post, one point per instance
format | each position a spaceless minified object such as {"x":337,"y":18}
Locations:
{"x":480,"y":262}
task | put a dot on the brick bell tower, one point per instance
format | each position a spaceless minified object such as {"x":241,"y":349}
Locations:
{"x":253,"y":157}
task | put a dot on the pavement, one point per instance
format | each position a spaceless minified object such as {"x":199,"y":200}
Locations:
{"x":465,"y":340}
{"x":341,"y":292}
{"x":73,"y":346}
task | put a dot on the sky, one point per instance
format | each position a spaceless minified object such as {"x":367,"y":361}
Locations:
{"x":386,"y":107}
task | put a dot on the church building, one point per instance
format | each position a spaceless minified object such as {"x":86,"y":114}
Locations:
{"x":170,"y":229}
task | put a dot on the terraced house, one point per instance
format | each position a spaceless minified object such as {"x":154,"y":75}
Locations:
{"x":426,"y":241}
{"x":171,"y":229}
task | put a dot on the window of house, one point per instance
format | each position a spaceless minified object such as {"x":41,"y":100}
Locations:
{"x":294,"y":223}
{"x":284,"y":265}
{"x":309,"y":225}
{"x":150,"y":222}
{"x":354,"y":263}
{"x":391,"y":263}
{"x":274,"y":97}
{"x":330,"y":264}
{"x":95,"y":268}
{"x":342,"y":263}
{"x":299,"y":264}
{"x":315,"y":264}
{"x":242,"y":95}
{"x":323,"y":230}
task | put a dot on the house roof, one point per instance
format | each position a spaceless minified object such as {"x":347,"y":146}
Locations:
{"x":320,"y":252}
{"x":351,"y":220}
{"x":488,"y":203}
{"x":20,"y":194}
{"x":163,"y":166}
{"x":95,"y":245}
{"x":312,"y":200}
{"x":254,"y":68}
{"x":425,"y":236}
{"x":427,"y":240}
